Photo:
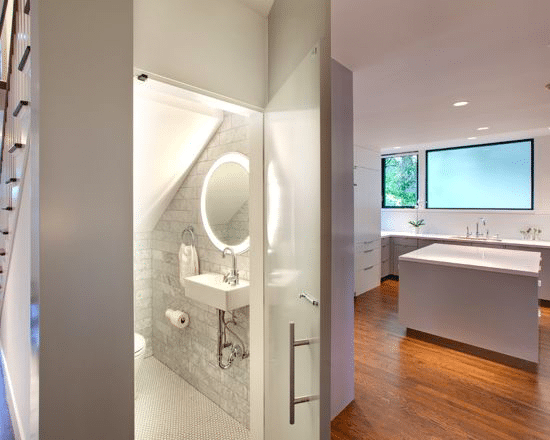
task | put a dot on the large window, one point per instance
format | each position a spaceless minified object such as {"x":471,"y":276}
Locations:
{"x":490,"y":176}
{"x":400,"y":181}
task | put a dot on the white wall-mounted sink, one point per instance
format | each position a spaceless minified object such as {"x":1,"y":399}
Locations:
{"x":210,"y":289}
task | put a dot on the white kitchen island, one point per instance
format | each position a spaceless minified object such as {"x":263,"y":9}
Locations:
{"x":482,"y":297}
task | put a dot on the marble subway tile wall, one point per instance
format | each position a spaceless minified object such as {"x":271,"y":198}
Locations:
{"x":192,"y":352}
{"x":143,"y":288}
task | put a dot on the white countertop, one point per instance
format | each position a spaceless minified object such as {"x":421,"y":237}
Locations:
{"x":524,"y":263}
{"x":458,"y":239}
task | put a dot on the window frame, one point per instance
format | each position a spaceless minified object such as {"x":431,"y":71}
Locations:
{"x":388,"y":156}
{"x":532,"y":208}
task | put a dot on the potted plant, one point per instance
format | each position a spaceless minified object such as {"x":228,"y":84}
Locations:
{"x":418,"y":223}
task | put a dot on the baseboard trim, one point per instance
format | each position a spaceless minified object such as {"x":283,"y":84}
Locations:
{"x":12,"y":407}
{"x":483,"y":353}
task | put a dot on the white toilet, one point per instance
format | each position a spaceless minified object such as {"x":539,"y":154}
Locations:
{"x":139,"y":352}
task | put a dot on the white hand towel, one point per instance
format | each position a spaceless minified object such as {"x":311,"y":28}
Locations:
{"x":189,"y":262}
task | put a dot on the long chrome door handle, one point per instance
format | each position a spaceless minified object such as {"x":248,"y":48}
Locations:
{"x":296,"y":400}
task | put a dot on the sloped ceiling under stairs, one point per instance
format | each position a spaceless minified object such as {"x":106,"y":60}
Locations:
{"x":170,"y":131}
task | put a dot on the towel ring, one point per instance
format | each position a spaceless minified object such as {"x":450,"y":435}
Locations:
{"x":188,"y":230}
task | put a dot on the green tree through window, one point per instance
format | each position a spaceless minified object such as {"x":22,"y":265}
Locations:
{"x":400,"y":181}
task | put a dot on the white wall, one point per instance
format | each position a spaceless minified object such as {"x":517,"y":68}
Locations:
{"x":215,"y":45}
{"x":505,"y":223}
{"x":343,"y":281}
{"x":15,"y":335}
{"x":82,"y":178}
{"x":294,"y":28}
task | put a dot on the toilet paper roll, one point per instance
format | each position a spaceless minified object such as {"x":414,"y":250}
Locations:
{"x":177,"y":318}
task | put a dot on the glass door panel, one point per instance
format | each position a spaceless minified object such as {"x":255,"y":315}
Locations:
{"x":293,"y":254}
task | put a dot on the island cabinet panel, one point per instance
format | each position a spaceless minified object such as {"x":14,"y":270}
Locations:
{"x":394,"y":246}
{"x":477,"y":307}
{"x":544,"y":278}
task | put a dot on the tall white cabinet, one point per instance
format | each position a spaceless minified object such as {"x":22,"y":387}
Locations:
{"x":367,"y":199}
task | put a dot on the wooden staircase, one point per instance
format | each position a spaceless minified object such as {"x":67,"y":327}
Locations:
{"x":14,"y":152}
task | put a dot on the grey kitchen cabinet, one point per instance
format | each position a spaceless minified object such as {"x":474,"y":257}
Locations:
{"x":399,"y":250}
{"x":367,"y":194}
{"x":489,"y":244}
{"x":385,"y":267}
{"x":423,"y":242}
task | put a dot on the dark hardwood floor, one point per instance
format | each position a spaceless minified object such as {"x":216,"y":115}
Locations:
{"x":407,"y":388}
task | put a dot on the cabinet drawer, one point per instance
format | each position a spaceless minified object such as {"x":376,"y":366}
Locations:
{"x":367,"y":279}
{"x":367,"y":257}
{"x":405,"y":241}
{"x":367,"y":245}
{"x":386,"y":241}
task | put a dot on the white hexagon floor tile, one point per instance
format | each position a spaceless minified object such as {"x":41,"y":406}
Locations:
{"x":168,"y":408}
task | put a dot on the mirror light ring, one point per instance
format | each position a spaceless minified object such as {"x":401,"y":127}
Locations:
{"x":242,"y":160}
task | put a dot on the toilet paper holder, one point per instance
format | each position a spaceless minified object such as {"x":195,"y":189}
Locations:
{"x":178,"y":318}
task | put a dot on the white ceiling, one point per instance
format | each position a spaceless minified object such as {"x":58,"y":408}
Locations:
{"x":412,"y":59}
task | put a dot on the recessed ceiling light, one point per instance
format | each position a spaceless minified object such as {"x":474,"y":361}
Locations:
{"x":482,"y":128}
{"x":472,"y":138}
{"x":461,"y":103}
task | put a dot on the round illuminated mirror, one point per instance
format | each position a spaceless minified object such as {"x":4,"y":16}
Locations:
{"x":224,"y":203}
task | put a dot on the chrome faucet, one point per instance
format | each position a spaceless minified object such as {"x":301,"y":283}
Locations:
{"x":483,"y":222}
{"x":232,"y":276}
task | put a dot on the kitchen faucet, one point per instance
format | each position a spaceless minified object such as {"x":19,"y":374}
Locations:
{"x":232,"y":276}
{"x":483,"y":222}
